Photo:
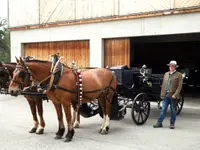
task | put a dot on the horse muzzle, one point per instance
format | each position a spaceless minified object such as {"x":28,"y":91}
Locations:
{"x":14,"y":92}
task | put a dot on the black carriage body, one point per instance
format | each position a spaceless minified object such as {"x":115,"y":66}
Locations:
{"x":136,"y":90}
{"x":130,"y":83}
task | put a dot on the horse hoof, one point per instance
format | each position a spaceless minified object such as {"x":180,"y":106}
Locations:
{"x":33,"y":130}
{"x":76,"y":125}
{"x":69,"y":135}
{"x":67,"y":139}
{"x":60,"y":132}
{"x":41,"y":131}
{"x":100,"y":130}
{"x":105,"y":131}
{"x":58,"y":137}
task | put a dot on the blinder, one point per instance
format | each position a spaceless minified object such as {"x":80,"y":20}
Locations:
{"x":22,"y":75}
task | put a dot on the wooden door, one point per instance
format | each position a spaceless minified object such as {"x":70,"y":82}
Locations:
{"x":117,"y":52}
{"x":71,"y":50}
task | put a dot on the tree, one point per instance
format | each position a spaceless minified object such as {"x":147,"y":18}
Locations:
{"x":4,"y":41}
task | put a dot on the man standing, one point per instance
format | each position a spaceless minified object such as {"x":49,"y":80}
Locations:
{"x":170,"y":92}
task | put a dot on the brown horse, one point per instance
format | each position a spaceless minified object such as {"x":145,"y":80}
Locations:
{"x":35,"y":102}
{"x":73,"y":87}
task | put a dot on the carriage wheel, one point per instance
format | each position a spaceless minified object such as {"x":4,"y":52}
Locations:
{"x":179,"y":104}
{"x":140,"y":109}
{"x":160,"y":104}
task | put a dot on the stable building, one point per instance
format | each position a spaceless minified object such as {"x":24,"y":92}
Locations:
{"x":100,"y":33}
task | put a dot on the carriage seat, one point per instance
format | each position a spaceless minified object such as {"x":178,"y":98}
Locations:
{"x":128,"y":77}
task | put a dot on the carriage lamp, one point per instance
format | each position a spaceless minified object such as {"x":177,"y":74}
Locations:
{"x":149,"y":83}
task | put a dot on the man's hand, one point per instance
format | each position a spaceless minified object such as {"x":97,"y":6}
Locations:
{"x":173,"y":97}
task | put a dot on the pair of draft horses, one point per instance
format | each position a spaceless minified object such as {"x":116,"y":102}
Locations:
{"x":71,"y":89}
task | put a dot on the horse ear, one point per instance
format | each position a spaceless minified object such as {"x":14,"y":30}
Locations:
{"x":21,"y":62}
{"x":17,"y":60}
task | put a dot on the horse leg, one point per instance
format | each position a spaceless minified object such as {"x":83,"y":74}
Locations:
{"x":107,"y":117}
{"x":40,"y":112}
{"x":102,"y":105}
{"x":61,"y":128}
{"x":76,"y":116}
{"x":107,"y":98}
{"x":32,"y":105}
{"x":58,"y":107}
{"x":70,"y":133}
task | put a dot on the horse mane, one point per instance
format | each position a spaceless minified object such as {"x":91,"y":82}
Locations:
{"x":11,"y":63}
{"x":45,"y":61}
{"x":39,"y":61}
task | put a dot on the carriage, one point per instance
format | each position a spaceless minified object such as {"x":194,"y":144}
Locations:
{"x":136,"y":88}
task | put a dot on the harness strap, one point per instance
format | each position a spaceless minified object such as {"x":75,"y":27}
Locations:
{"x":64,"y":89}
{"x":70,"y":91}
{"x":78,"y":90}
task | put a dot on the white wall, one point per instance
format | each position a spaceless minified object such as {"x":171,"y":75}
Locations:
{"x":173,"y":24}
{"x":29,"y":12}
{"x":23,"y":12}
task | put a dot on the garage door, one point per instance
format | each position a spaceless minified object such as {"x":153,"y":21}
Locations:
{"x":71,"y":50}
{"x":117,"y":52}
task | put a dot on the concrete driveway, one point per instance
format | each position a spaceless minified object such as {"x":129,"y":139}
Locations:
{"x":16,"y":121}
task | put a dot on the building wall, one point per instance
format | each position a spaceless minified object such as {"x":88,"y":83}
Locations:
{"x":33,"y":12}
{"x":96,"y":32}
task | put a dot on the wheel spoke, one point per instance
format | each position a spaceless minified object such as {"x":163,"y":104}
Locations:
{"x":146,"y":105}
{"x":177,"y":108}
{"x":140,"y":108}
{"x":141,"y":116}
{"x":144,"y":114}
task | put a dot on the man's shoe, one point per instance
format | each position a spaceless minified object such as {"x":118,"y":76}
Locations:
{"x":171,"y":126}
{"x":158,"y":125}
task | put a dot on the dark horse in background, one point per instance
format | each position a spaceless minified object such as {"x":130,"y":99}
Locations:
{"x":35,"y":102}
{"x":74,"y":87}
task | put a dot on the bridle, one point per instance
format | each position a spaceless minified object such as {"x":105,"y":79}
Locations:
{"x":22,"y":74}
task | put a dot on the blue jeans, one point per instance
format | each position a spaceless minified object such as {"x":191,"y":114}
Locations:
{"x":167,"y":101}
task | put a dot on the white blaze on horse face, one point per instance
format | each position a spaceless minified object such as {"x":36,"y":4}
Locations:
{"x":14,"y":87}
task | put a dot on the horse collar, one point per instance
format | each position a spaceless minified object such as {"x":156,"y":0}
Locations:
{"x":79,"y":86}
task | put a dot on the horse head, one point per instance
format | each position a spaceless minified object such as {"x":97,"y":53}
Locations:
{"x":6,"y":70}
{"x":20,"y":79}
{"x":2,"y":76}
